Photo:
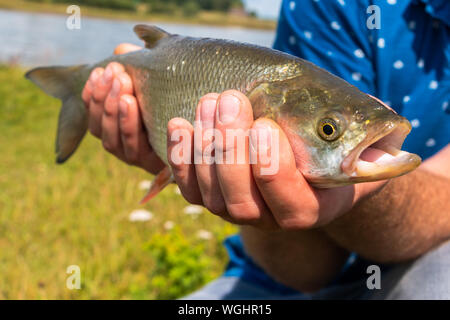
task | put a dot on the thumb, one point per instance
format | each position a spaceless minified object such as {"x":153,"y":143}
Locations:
{"x":125,"y":48}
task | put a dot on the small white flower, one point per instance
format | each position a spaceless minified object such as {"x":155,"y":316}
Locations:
{"x":341,"y":2}
{"x":335,"y":25}
{"x":204,"y":235}
{"x":145,"y":184}
{"x":308,"y":34}
{"x":398,"y":64}
{"x":193,"y":210}
{"x":433,"y":85}
{"x":406,"y":99}
{"x":329,"y":53}
{"x":381,"y":43}
{"x":168,"y":225}
{"x":430,"y":143}
{"x":445,"y":105}
{"x":356,"y":76}
{"x":415,"y":123}
{"x":359,"y":53}
{"x":140,"y":215}
{"x":392,"y":2}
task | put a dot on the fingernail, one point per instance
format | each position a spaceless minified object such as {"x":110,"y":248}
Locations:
{"x":94,"y":76}
{"x":229,"y":107}
{"x":115,"y":88}
{"x":123,"y":108}
{"x":107,"y":75}
{"x":207,"y":113}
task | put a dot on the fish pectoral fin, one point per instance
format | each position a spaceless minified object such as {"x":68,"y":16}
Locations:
{"x":150,"y":34}
{"x":162,"y":179}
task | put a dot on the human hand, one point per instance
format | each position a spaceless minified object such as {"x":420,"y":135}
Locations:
{"x":114,"y":114}
{"x":241,"y":193}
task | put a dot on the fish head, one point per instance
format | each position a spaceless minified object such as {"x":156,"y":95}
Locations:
{"x":342,"y":136}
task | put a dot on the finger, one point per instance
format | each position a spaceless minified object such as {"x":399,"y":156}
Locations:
{"x":234,"y":118}
{"x":133,"y":137}
{"x":284,"y":189}
{"x":110,"y":121}
{"x":95,"y":110}
{"x":180,"y":135}
{"x":125,"y":48}
{"x":101,"y":88}
{"x":205,"y":168}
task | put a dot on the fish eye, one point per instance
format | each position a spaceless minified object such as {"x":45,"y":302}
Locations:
{"x":328,"y":129}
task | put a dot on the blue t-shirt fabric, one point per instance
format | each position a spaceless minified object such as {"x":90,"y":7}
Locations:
{"x":405,"y":63}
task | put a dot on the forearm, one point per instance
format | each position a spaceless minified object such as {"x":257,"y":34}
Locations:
{"x":303,"y":260}
{"x":405,"y":219}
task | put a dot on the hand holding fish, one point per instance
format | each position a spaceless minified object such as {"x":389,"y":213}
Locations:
{"x":236,"y":192}
{"x":114,"y":115}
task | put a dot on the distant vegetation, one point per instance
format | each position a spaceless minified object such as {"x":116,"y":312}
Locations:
{"x":188,"y":7}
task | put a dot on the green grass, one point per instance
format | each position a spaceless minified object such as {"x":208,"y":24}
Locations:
{"x":54,"y":216}
{"x":202,"y":18}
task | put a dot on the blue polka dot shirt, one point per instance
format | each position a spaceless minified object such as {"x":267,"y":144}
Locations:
{"x":396,"y":50}
{"x":404,"y":62}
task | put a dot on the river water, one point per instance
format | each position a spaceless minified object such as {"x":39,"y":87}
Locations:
{"x":41,"y":39}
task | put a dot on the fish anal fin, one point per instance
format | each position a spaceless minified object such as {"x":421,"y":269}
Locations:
{"x":162,"y":179}
{"x":150,"y":34}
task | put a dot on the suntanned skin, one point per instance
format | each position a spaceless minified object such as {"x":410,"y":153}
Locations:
{"x":295,"y":232}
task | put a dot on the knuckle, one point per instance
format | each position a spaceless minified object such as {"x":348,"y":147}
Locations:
{"x":214,"y":206}
{"x":299,"y":222}
{"x":244,"y":212}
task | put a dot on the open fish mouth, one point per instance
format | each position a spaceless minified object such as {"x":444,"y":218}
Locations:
{"x":380,"y":156}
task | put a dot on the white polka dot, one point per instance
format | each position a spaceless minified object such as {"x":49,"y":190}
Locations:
{"x":292,"y":40}
{"x":398,"y":64}
{"x":335,"y":25}
{"x":412,"y":25}
{"x":329,"y":53}
{"x":292,"y":5}
{"x":420,"y":63}
{"x":415,"y":123}
{"x":430,"y":142}
{"x":406,"y":99}
{"x":392,"y":2}
{"x":381,"y":43}
{"x":308,"y":34}
{"x":445,"y":105}
{"x":356,"y":76}
{"x":359,"y":53}
{"x":341,"y":2}
{"x":433,"y":85}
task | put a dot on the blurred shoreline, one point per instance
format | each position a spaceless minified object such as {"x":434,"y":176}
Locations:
{"x":203,"y":18}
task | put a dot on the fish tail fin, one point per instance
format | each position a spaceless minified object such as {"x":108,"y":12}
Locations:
{"x":66,"y":84}
{"x":162,"y":179}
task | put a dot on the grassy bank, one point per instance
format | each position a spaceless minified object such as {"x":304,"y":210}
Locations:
{"x":78,"y":214}
{"x":203,"y":18}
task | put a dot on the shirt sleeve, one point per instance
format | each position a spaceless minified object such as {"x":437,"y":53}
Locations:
{"x":331,"y":34}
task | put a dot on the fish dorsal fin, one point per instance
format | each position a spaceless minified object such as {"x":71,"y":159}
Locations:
{"x":150,"y":34}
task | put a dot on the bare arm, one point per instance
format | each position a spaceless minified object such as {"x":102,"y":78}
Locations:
{"x":405,"y":219}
